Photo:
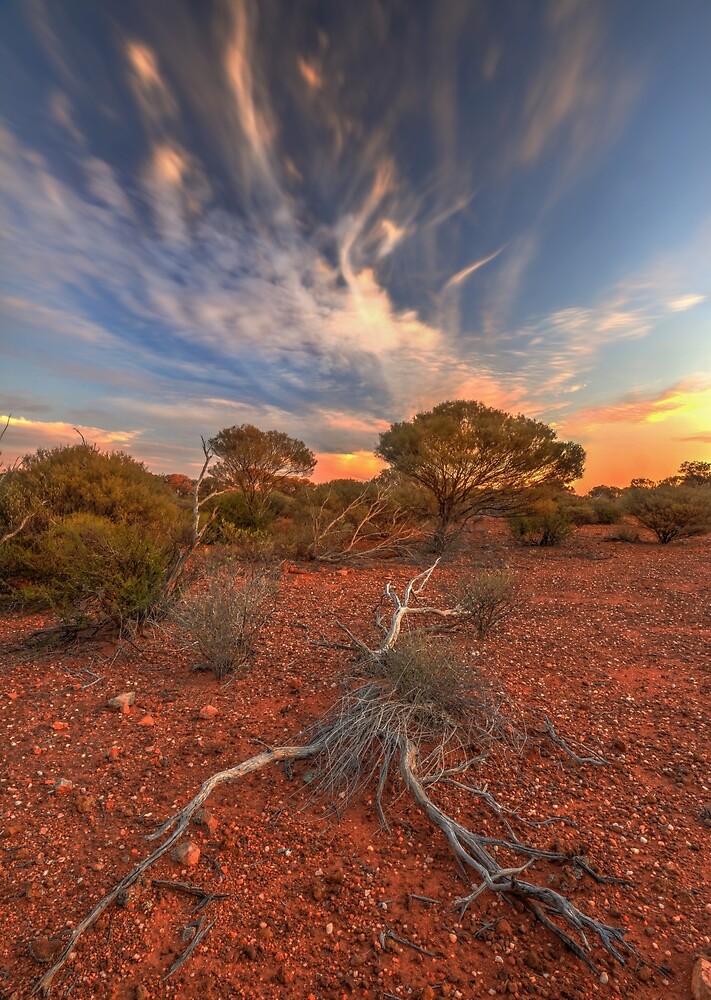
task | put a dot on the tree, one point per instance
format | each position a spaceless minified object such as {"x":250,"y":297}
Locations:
{"x":696,"y":473}
{"x":257,"y":463}
{"x":473,"y":459}
{"x":671,"y":511}
{"x":604,"y":493}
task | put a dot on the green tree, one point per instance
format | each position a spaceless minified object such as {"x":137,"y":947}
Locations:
{"x":473,"y":459}
{"x":671,"y":511}
{"x":257,"y":463}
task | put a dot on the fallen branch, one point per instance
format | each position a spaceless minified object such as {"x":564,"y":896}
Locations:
{"x":178,"y":822}
{"x":388,"y":716}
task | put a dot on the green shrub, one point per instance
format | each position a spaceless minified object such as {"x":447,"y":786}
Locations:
{"x":223,"y":614}
{"x":490,"y":597}
{"x":671,"y":511}
{"x":88,"y":566}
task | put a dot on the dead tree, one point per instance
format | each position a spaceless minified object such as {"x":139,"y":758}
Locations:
{"x":197,"y":530}
{"x":439,"y":738}
{"x":369,"y":524}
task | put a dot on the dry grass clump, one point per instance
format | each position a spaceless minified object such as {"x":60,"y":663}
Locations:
{"x":223,"y":614}
{"x":415,"y":692}
{"x":490,"y":597}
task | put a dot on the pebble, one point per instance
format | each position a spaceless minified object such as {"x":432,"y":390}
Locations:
{"x":147,"y":720}
{"x":63,"y":786}
{"x":187,"y":854}
{"x":122,"y":702}
{"x":208,"y":712}
{"x":701,"y":980}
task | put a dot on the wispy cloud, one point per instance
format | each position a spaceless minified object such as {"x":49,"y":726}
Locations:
{"x":462,"y":275}
{"x":685,"y":302}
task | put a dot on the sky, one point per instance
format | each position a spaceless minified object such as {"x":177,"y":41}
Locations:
{"x":324,"y":217}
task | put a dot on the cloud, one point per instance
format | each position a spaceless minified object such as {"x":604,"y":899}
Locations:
{"x":24,"y":434}
{"x":462,"y":275}
{"x":685,"y":302}
{"x":310,"y":73}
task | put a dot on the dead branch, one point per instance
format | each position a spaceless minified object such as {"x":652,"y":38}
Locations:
{"x":178,"y":823}
{"x":200,"y":932}
{"x":597,"y":759}
{"x":356,"y":742}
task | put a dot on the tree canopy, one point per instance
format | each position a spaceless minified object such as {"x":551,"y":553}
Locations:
{"x":474,"y":459}
{"x":257,"y":463}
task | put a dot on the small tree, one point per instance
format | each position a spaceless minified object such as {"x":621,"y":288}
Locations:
{"x":671,"y":511}
{"x":257,"y":463}
{"x":473,"y":459}
{"x":696,"y":473}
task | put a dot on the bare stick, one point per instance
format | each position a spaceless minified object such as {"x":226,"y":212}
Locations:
{"x":598,"y":760}
{"x":200,"y":933}
{"x":179,"y":822}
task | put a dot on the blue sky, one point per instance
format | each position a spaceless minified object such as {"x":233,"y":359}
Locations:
{"x":324,"y":217}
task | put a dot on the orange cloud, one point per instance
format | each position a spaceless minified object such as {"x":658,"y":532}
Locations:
{"x":644,"y":437}
{"x":25,"y":436}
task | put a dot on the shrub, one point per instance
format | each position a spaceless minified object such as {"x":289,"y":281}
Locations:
{"x":606,"y":511}
{"x":671,"y":511}
{"x":223,"y":615}
{"x":625,"y":533}
{"x":88,"y":566}
{"x":545,"y":529}
{"x":432,"y":681}
{"x":490,"y":598}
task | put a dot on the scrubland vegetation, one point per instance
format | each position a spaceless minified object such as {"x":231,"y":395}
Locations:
{"x":112,"y":550}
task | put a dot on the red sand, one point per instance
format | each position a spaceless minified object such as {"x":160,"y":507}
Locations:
{"x":613,"y":645}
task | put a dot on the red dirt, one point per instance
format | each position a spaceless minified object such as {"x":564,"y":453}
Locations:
{"x":614,"y":647}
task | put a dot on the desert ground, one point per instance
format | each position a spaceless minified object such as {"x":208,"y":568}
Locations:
{"x":613,"y":643}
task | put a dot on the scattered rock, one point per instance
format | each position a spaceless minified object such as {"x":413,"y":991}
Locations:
{"x":147,"y":720}
{"x":329,"y":929}
{"x":63,"y":786}
{"x":208,"y":712}
{"x":533,"y":959}
{"x":504,"y":927}
{"x":113,"y":753}
{"x":187,"y":854}
{"x":701,"y":979}
{"x":645,"y":973}
{"x":205,"y":818}
{"x":122,"y":702}
{"x":84,"y":804}
{"x":59,"y":726}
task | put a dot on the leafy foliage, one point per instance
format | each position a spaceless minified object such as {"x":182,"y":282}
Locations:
{"x":257,"y":463}
{"x":671,"y":511}
{"x":473,"y":459}
{"x":102,"y":537}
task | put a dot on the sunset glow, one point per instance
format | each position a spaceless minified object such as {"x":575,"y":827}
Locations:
{"x":324,"y":221}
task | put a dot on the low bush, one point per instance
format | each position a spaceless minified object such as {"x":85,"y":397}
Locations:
{"x":671,"y":511}
{"x":544,"y":529}
{"x":90,"y":568}
{"x":223,"y":614}
{"x":606,"y":511}
{"x":490,"y":597}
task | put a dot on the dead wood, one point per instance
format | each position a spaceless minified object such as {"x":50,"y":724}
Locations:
{"x":357,"y":741}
